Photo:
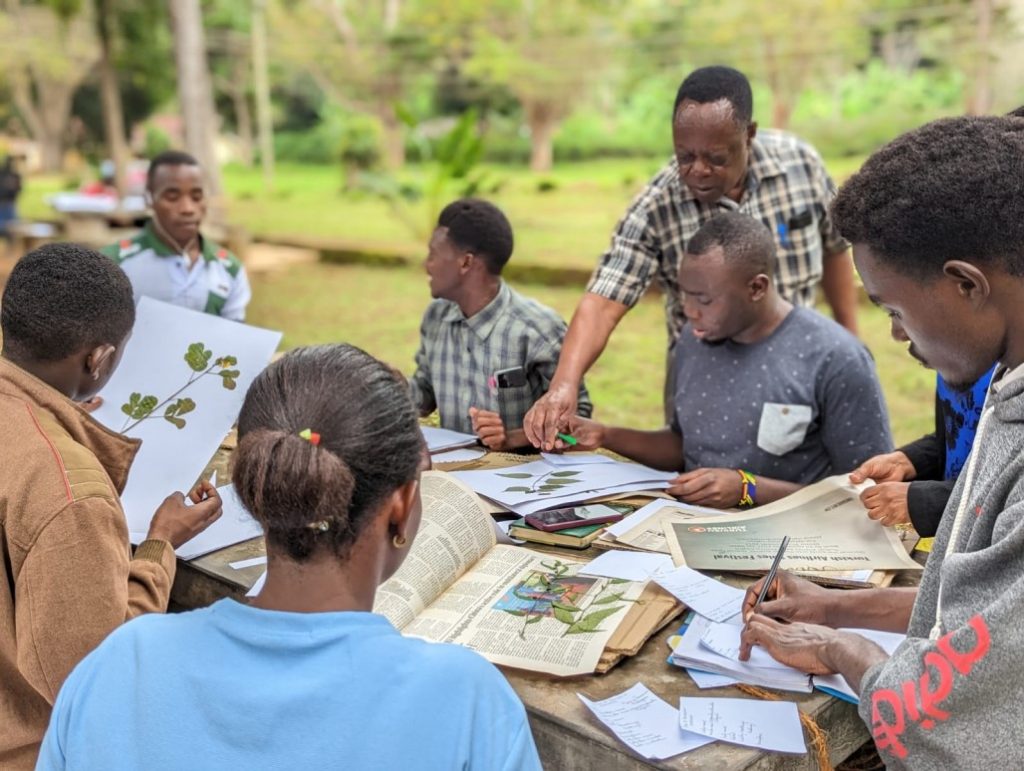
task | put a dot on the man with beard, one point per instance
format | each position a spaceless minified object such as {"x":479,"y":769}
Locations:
{"x":768,"y":397}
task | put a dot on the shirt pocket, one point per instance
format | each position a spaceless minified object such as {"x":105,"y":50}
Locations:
{"x":783,"y":427}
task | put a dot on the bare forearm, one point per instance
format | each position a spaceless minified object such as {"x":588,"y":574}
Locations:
{"x":840,"y":289}
{"x":588,"y":333}
{"x":662,"y":449}
{"x":769,"y":490}
{"x":887,"y":610}
{"x":851,"y":656}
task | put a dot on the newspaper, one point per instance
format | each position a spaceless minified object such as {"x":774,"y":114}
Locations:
{"x":649,"y":533}
{"x":828,"y":527}
{"x":515,"y":607}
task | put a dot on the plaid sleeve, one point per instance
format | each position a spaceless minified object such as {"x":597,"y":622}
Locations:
{"x":631,"y":262}
{"x":421,"y":387}
{"x":832,"y":242}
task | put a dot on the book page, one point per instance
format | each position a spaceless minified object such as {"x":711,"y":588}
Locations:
{"x":531,"y":611}
{"x":455,"y":531}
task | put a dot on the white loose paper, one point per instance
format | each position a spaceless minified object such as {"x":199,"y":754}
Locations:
{"x":706,"y":596}
{"x":645,"y":723}
{"x":441,"y":439}
{"x":575,"y":458}
{"x":194,"y":402}
{"x":767,"y":725}
{"x":628,"y":565}
{"x":234,"y":526}
{"x":724,"y":639}
{"x":710,"y":679}
{"x":646,"y":512}
{"x":258,"y":586}
{"x":249,"y":563}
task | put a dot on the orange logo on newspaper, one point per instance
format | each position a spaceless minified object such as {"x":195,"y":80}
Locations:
{"x":697,"y":529}
{"x":917,"y":702}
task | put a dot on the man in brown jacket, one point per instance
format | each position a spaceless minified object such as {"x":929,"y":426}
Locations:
{"x":68,"y":575}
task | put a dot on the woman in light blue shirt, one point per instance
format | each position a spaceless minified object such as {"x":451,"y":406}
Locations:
{"x":306,"y":676}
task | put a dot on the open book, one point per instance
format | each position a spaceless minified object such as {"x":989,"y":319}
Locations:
{"x":516,"y":607}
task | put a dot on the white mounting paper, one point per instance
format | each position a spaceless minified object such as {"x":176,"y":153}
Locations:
{"x":171,"y":459}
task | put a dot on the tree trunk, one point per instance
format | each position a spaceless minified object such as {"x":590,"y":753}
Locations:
{"x":261,"y":79}
{"x":392,"y":138}
{"x":195,"y":94}
{"x":110,"y":97}
{"x":240,"y":103}
{"x":979,"y":100}
{"x":542,"y":120}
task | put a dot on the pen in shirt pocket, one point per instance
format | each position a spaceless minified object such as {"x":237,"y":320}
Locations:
{"x":783,"y":231}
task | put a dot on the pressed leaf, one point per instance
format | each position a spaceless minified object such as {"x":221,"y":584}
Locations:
{"x":516,"y":475}
{"x":229,"y":384}
{"x":185,"y":406}
{"x":533,"y":619}
{"x":230,"y":373}
{"x":590,"y":622}
{"x":198,"y":357}
{"x":517,"y":489}
{"x":619,"y":581}
{"x":563,"y":615}
{"x":565,"y":606}
{"x":565,"y":473}
{"x":226,"y":361}
{"x":178,"y":423}
{"x":610,"y":598}
{"x":514,"y":612}
{"x":126,"y":409}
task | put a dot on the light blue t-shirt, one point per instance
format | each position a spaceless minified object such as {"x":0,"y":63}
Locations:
{"x":236,"y":687}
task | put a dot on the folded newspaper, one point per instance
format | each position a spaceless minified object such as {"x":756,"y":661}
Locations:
{"x":516,"y":607}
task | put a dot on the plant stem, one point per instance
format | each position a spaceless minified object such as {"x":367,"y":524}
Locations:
{"x":194,"y":378}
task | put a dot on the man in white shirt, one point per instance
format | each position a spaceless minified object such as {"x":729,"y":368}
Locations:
{"x":169,"y":259}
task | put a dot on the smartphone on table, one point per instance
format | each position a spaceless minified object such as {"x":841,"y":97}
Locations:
{"x":576,"y":516}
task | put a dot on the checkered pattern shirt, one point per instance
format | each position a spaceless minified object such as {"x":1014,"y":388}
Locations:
{"x":788,"y":189}
{"x":459,"y":355}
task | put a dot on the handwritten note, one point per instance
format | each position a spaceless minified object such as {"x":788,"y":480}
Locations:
{"x":706,"y":596}
{"x":646,"y":724}
{"x":767,"y":725}
{"x":724,"y":639}
{"x":628,"y":565}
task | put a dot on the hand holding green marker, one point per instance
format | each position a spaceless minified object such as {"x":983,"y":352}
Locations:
{"x":569,"y":440}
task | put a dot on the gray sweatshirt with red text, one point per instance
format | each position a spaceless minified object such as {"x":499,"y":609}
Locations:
{"x":952,"y":696}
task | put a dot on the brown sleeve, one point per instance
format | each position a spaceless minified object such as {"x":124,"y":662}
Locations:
{"x":78,"y":583}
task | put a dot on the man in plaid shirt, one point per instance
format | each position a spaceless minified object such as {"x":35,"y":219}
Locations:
{"x":721,"y":164}
{"x":486,"y":352}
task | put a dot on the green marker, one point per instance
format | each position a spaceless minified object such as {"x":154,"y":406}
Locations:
{"x":571,"y":441}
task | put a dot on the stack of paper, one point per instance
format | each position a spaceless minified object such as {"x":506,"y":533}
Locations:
{"x":712,"y":647}
{"x":441,"y":439}
{"x":532,"y":487}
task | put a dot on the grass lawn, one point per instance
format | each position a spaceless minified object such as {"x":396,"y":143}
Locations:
{"x":568,"y":225}
{"x":379,"y":309}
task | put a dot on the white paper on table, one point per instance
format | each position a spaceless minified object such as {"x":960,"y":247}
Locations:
{"x":767,"y":725}
{"x":439,"y":439}
{"x":522,"y":487}
{"x":249,"y":563}
{"x":645,"y":723}
{"x":458,"y":456}
{"x":861,"y":575}
{"x":628,"y":565}
{"x":706,"y":596}
{"x":710,"y":679}
{"x":724,"y":639}
{"x":646,"y":512}
{"x":234,"y":526}
{"x":258,"y":586}
{"x":154,"y":364}
{"x":575,"y":458}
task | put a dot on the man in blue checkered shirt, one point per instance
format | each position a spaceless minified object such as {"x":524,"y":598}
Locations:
{"x":486,"y":352}
{"x":722,"y":164}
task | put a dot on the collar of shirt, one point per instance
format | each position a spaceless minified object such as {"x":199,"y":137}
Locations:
{"x":483,"y":321}
{"x":208,"y":249}
{"x":1007,"y":376}
{"x":762,"y":166}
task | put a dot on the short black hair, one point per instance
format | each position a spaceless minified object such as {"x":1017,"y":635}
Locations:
{"x":313,"y":497}
{"x":63,"y":299}
{"x":952,"y":189}
{"x":1017,"y":113}
{"x":744,"y":240}
{"x":167,"y":158}
{"x":477,"y":226}
{"x":712,"y":84}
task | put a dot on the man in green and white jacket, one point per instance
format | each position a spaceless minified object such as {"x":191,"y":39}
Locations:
{"x":169,"y":259}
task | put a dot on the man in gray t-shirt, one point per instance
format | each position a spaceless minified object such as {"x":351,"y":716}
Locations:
{"x":768,"y":397}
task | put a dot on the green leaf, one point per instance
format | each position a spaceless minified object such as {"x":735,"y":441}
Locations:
{"x":229,"y":384}
{"x":610,"y":598}
{"x":565,"y":473}
{"x":590,"y":622}
{"x":126,"y":409}
{"x":141,"y":407}
{"x":229,"y":373}
{"x":517,"y":475}
{"x":563,"y":615}
{"x":198,"y":357}
{"x":178,"y":423}
{"x":619,"y":581}
{"x":185,"y":406}
{"x":226,"y":361}
{"x":565,"y":606}
{"x":533,"y":619}
{"x":517,"y":490}
{"x":514,"y":612}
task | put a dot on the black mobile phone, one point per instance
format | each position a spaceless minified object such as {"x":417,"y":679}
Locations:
{"x":513,"y":377}
{"x":576,"y":516}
